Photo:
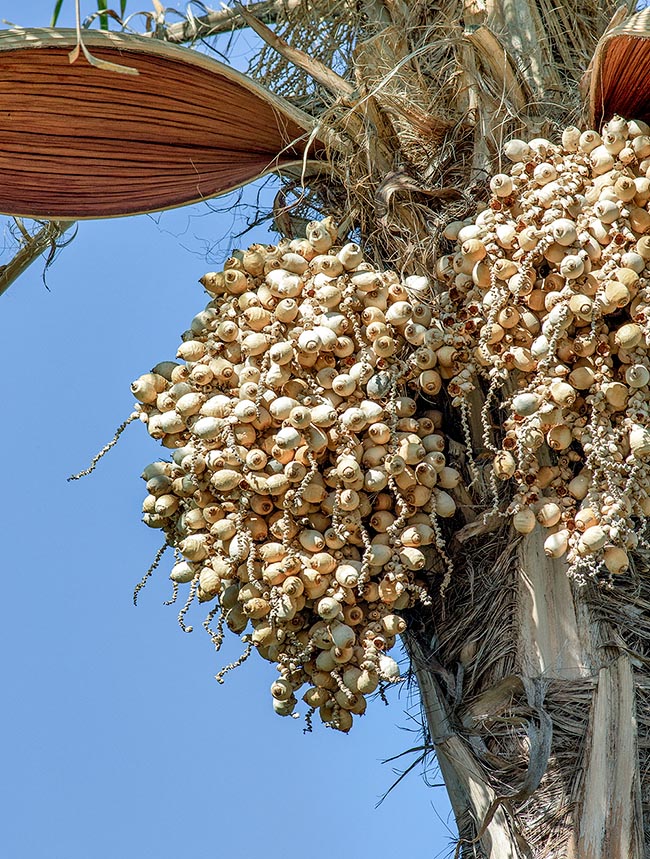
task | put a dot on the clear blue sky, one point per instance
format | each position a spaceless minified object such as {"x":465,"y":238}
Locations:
{"x":116,"y":740}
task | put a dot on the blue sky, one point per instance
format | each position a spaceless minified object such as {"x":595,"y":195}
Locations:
{"x":116,"y":740}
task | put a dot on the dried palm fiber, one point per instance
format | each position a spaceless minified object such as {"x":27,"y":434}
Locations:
{"x":438,"y":89}
{"x":326,"y":30}
{"x":79,"y":142}
{"x":489,"y":710}
{"x":332,"y":30}
{"x":620,"y":63}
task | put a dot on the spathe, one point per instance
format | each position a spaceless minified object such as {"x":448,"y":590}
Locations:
{"x":81,"y":142}
{"x":618,"y":76}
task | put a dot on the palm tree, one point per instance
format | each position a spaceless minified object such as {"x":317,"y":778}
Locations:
{"x":534,"y":686}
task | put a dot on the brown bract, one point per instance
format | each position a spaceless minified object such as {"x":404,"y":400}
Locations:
{"x":621,"y":62}
{"x":82,"y":142}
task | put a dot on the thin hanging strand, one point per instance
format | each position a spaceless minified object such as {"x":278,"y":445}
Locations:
{"x":93,"y":464}
{"x":143,"y":580}
{"x":174,"y":595}
{"x":219,"y":677}
{"x":190,"y":599}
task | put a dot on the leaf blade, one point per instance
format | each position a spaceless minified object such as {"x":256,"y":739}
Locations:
{"x":102,"y":6}
{"x":56,"y":12}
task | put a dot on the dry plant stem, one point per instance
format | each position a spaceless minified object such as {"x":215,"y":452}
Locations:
{"x":501,"y":66}
{"x":470,"y":795}
{"x":612,"y":770}
{"x":479,"y":112}
{"x":337,"y":85}
{"x":564,"y":643}
{"x":520,"y":22}
{"x":33,"y":248}
{"x":560,"y":639}
{"x":225,"y":20}
{"x":549,"y":640}
{"x":366,"y":120}
{"x":95,"y":460}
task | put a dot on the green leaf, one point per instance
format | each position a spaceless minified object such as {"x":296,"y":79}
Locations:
{"x":122,"y":8}
{"x":56,"y":12}
{"x":103,"y":19}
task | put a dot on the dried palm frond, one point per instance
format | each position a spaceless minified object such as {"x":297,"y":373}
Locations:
{"x":621,"y":61}
{"x":85,"y":143}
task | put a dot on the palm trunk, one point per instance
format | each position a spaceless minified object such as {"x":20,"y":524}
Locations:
{"x":568,"y":703}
